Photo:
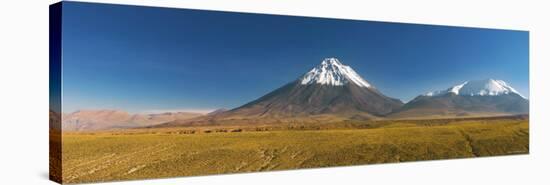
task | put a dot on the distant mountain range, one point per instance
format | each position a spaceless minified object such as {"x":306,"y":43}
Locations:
{"x":329,"y":92}
{"x":87,"y":120}
{"x":332,"y":91}
{"x":471,"y":98}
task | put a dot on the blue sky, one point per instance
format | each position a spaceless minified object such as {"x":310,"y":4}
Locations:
{"x":143,"y":59}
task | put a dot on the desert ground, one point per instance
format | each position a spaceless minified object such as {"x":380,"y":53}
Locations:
{"x":187,"y":151}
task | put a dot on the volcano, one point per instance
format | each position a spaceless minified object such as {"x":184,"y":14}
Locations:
{"x":329,"y":89}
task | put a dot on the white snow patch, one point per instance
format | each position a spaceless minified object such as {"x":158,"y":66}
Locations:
{"x":332,"y":72}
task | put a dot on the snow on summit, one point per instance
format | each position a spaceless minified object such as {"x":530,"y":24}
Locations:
{"x":332,"y":72}
{"x":489,"y":87}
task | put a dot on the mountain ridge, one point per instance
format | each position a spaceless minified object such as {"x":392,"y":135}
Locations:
{"x":487,"y":87}
{"x":333,"y":92}
{"x":475,"y":97}
{"x":105,"y":119}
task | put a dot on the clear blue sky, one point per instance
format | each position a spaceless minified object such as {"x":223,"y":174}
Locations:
{"x":142,"y":59}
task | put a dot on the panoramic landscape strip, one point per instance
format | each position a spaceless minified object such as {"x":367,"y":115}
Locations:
{"x":176,"y":92}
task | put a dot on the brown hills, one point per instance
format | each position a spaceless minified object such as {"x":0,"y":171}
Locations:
{"x":90,"y":120}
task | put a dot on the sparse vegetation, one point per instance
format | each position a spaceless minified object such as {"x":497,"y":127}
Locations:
{"x":154,"y":153}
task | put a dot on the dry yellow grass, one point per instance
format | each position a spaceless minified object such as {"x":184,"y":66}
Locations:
{"x":139,"y":154}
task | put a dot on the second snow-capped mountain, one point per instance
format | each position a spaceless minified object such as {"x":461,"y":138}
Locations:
{"x":471,"y":98}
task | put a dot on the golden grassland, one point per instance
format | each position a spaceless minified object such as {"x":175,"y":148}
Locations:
{"x":157,"y":153}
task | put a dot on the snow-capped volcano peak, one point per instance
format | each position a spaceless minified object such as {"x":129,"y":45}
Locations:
{"x":489,"y":87}
{"x":332,"y":72}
